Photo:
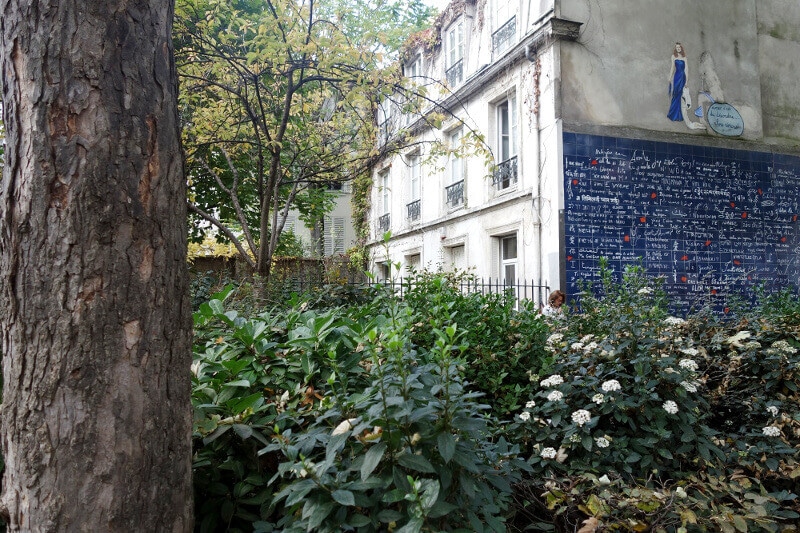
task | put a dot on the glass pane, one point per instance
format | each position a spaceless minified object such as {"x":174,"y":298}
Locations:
{"x":509,"y":248}
{"x":509,"y":273}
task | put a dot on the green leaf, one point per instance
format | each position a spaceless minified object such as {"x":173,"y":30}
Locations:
{"x":430,"y":493}
{"x":358,"y":520}
{"x":371,"y":459}
{"x":238,"y":383}
{"x":244,"y":431}
{"x":633,"y":458}
{"x":447,"y":445}
{"x":239,"y":405}
{"x":344,"y":497}
{"x":740,"y":523}
{"x":413,"y":526}
{"x":416,"y":462}
{"x":317,"y":513}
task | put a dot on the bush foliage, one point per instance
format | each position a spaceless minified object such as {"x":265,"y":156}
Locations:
{"x":443,"y":411}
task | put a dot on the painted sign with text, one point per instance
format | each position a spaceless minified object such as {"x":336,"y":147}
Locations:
{"x":712,"y":222}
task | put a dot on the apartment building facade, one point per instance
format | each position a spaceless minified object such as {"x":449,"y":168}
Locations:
{"x":664,"y":134}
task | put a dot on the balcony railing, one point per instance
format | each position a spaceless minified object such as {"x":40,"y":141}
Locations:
{"x":455,"y":194}
{"x":504,"y":36}
{"x":455,"y":74}
{"x":413,"y":210}
{"x":383,"y":223}
{"x":505,"y":175}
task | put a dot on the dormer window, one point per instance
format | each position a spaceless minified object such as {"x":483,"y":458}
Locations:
{"x":454,"y":53}
{"x":505,"y":26}
{"x":414,"y":69}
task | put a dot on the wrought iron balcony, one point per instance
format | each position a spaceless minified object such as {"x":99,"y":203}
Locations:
{"x":455,"y":74}
{"x":504,"y":36}
{"x":413,"y":210}
{"x":383,"y":223}
{"x":505,"y":175}
{"x":455,"y":194}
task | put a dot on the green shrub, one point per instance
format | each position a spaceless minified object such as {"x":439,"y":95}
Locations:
{"x":410,"y":452}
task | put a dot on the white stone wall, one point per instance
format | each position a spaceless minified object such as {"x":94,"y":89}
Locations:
{"x":613,"y":80}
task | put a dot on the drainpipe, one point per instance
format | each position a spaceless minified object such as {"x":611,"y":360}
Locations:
{"x":532,"y":56}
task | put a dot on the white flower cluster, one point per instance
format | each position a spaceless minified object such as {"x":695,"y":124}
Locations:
{"x":554,"y":339}
{"x":587,"y":338}
{"x":598,"y":398}
{"x":611,"y":385}
{"x":771,"y":431}
{"x":773,"y":410}
{"x":688,"y":364}
{"x":674,"y":321}
{"x":581,"y":417}
{"x":752,"y":345}
{"x":670,"y":407}
{"x":690,"y":351}
{"x":576,"y":346}
{"x":525,"y":416}
{"x":552,"y":381}
{"x":645,"y":290}
{"x":530,"y":405}
{"x":689,"y":386}
{"x":554,"y":396}
{"x":592,"y":346}
{"x":784,"y":347}
{"x":602,"y":442}
{"x":548,"y":453}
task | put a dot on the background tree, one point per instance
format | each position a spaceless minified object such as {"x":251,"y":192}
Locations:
{"x":277,"y":103}
{"x":95,"y":319}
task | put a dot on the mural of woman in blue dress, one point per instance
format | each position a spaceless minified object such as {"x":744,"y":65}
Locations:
{"x":677,"y":82}
{"x":680,"y":102}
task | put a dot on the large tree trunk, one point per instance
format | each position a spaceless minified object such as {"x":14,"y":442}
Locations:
{"x":95,"y":319}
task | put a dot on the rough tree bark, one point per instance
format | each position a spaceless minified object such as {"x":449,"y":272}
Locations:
{"x":94,"y":312}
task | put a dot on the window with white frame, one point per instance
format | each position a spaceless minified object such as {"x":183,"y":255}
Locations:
{"x":504,"y":25}
{"x":508,"y":259}
{"x":455,"y":258}
{"x":454,"y":190}
{"x":413,"y":69}
{"x":384,"y":199}
{"x":414,"y":179}
{"x":454,"y":53}
{"x":505,"y":174}
{"x":385,"y":126}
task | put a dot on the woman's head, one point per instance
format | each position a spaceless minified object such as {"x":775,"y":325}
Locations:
{"x":679,"y":50}
{"x":556,"y":298}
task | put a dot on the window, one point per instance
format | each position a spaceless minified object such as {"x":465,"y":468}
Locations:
{"x":383,"y":202}
{"x":415,"y":172}
{"x":413,"y":262}
{"x":505,"y":26}
{"x":454,"y":53}
{"x":383,"y":177}
{"x":455,"y":258}
{"x":385,"y":126}
{"x":454,"y":191}
{"x":383,"y":270}
{"x":508,"y":259}
{"x":505,"y":174}
{"x":334,"y":235}
{"x":414,"y":69}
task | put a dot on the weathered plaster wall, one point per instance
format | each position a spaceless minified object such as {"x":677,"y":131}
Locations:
{"x":618,"y":72}
{"x":779,"y":62}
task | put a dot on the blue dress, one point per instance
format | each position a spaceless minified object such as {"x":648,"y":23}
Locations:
{"x":676,"y":90}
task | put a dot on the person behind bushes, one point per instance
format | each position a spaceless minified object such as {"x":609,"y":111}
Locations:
{"x":554,"y":303}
